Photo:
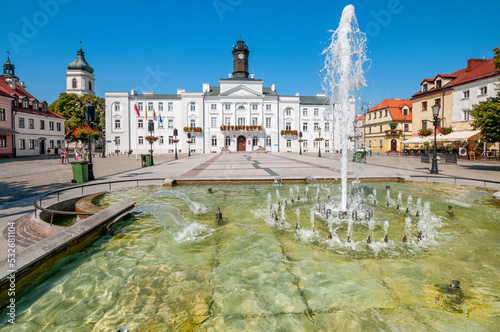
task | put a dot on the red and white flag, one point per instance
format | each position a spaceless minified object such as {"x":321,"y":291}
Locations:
{"x":137,"y":110}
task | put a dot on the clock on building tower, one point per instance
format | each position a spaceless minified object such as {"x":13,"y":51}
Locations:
{"x":240,"y":60}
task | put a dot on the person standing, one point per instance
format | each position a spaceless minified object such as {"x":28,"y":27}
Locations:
{"x":48,"y":153}
{"x":77,"y":154}
{"x":66,"y":156}
{"x":61,"y":152}
{"x":56,"y":152}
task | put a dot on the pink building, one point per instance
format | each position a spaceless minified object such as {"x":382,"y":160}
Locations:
{"x":6,"y":128}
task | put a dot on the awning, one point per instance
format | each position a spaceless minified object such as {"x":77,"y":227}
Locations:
{"x":415,"y":140}
{"x":8,"y":131}
{"x":457,"y":136}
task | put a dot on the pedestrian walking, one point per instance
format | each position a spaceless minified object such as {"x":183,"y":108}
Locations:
{"x":61,"y":152}
{"x":77,"y":154}
{"x":48,"y":153}
{"x":66,"y":156}
{"x":84,"y":153}
{"x":56,"y":152}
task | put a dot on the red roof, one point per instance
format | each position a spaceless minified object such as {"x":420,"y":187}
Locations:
{"x":19,"y":92}
{"x":5,"y":94}
{"x":395,"y":108}
{"x":476,"y":69}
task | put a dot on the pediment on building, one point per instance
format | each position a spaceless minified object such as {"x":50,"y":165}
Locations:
{"x":241,"y":91}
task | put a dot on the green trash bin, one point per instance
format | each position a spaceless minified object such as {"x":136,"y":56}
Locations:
{"x":80,"y":171}
{"x":149,"y":160}
{"x":359,"y":157}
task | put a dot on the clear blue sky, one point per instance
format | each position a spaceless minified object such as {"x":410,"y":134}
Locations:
{"x":190,"y":42}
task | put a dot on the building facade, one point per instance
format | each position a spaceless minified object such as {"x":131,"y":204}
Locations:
{"x":239,"y":114}
{"x":33,"y":127}
{"x":6,"y":126}
{"x":388,"y":124}
{"x":80,"y":76}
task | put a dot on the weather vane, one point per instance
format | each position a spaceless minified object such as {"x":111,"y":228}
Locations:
{"x":8,"y":55}
{"x":240,"y":35}
{"x":80,"y":44}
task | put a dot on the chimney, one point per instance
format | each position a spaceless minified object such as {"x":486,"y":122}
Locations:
{"x":23,"y":85}
{"x":473,"y":63}
{"x":273,"y":87}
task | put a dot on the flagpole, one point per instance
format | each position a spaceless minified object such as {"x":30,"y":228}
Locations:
{"x":136,"y":137}
{"x":159,"y":135}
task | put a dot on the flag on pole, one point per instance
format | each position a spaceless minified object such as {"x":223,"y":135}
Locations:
{"x":137,"y":110}
{"x":146,"y":110}
{"x":161,"y":120}
{"x":154,"y":114}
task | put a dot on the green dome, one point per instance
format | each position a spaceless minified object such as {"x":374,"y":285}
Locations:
{"x":80,"y":64}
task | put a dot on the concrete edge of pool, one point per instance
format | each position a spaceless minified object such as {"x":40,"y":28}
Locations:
{"x":43,"y":255}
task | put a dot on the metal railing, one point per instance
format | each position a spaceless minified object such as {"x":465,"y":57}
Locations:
{"x":38,"y":202}
{"x":454,"y":178}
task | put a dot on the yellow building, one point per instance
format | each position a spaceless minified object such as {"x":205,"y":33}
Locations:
{"x":388,"y":124}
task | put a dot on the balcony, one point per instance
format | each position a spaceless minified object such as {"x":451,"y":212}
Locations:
{"x":394,"y":132}
{"x":252,"y":128}
{"x":195,"y":130}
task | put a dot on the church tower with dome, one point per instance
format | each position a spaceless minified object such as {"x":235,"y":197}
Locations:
{"x":79,"y":76}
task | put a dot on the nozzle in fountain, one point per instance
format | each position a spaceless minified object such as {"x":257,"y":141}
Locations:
{"x":387,"y":187}
{"x":348,"y":238}
{"x":209,"y":190}
{"x":330,"y":235}
{"x":386,"y":239}
{"x":297,"y":226}
{"x":368,"y":241}
{"x":455,"y":284}
{"x":407,"y":210}
{"x":419,"y":236}
{"x":450,"y":211}
{"x":387,"y":203}
{"x":218,"y":214}
{"x":405,"y":239}
{"x":277,"y":181}
{"x":397,"y":207}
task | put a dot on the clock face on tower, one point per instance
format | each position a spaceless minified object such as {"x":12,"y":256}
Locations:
{"x":241,"y":55}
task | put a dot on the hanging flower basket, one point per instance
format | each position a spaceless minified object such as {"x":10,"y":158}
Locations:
{"x":445,"y":130}
{"x":424,"y":132}
{"x":175,"y":141}
{"x":151,"y":139}
{"x":289,"y":133}
{"x":84,"y":132}
{"x":193,"y":129}
{"x":301,"y":140}
{"x":317,"y":139}
{"x":189,"y":142}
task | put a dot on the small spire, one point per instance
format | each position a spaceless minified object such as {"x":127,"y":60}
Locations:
{"x":8,"y":55}
{"x":80,"y":44}
{"x":240,"y":34}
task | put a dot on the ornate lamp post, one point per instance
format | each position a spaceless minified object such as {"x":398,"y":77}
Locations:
{"x":435,"y":114}
{"x":189,"y":144}
{"x":175,"y":141}
{"x":89,"y":115}
{"x":319,"y":142}
{"x":300,"y":142}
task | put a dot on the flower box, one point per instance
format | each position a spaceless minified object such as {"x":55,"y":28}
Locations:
{"x":84,"y":132}
{"x":424,"y":132}
{"x":445,"y":130}
{"x":175,"y":141}
{"x":193,"y":129}
{"x":151,"y":139}
{"x":289,"y":133}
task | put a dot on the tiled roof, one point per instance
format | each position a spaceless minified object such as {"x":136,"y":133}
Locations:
{"x":49,"y":113}
{"x":5,"y":94}
{"x":19,"y":91}
{"x":395,"y":108}
{"x":314,"y":100}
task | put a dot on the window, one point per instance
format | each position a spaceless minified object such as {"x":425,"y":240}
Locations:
{"x":170,"y":123}
{"x":22,"y":144}
{"x":255,"y":121}
{"x":51,"y":125}
{"x":73,"y":83}
{"x":304,"y":112}
{"x":466,"y":115}
{"x":58,"y":126}
{"x":393,"y":126}
{"x":437,"y":101}
{"x":288,"y":112}
{"x":304,"y":126}
{"x":150,"y":106}
{"x":255,"y":106}
{"x":151,"y":125}
{"x":327,"y":143}
{"x":140,"y":123}
{"x":465,"y":94}
{"x":227,"y":141}
{"x":374,"y":115}
{"x":227,"y":121}
{"x":438,"y":84}
{"x":141,"y":140}
{"x":35,"y":105}
{"x":3,"y":141}
{"x":160,"y":106}
{"x":213,"y":107}
{"x":42,"y":125}
{"x":316,"y":126}
{"x":118,"y":124}
{"x":227,"y":107}
{"x":407,"y":127}
{"x":288,"y":143}
{"x":117,"y":140}
{"x":51,"y":144}
{"x":3,"y":114}
{"x":161,"y":140}
{"x":380,"y":128}
{"x":160,"y":122}
{"x":288,"y":126}
{"x":304,"y":144}
{"x":170,"y":106}
{"x":192,"y":106}
{"x":483,"y":90}
{"x":315,"y":144}
{"x":424,"y":106}
{"x":241,"y":121}
{"x":192,"y":123}
{"x":214,"y":140}
{"x":21,"y":122}
{"x":424,"y":87}
{"x":385,"y":113}
{"x":268,"y":122}
{"x":170,"y":139}
{"x":31,"y":144}
{"x":268,"y":141}
{"x":268,"y":107}
{"x":369,"y":130}
{"x":424,"y":124}
{"x":255,"y":141}
{"x":213,"y":122}
{"x":241,"y":108}
{"x":140,"y":107}
{"x":380,"y":114}
{"x":316,"y":111}
{"x":193,"y":140}
{"x":90,"y":85}
{"x":405,"y":111}
{"x":369,"y":116}
{"x":327,"y":126}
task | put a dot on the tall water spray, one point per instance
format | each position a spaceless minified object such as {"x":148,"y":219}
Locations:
{"x":343,"y":68}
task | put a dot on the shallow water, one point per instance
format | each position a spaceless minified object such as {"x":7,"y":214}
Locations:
{"x":170,"y":266}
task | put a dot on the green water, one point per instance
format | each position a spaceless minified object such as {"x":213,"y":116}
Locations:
{"x":170,"y":267}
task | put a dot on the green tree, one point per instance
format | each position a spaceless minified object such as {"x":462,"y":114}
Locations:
{"x":487,"y":113}
{"x":71,"y":107}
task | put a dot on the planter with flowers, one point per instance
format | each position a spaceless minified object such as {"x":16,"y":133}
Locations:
{"x":175,"y":141}
{"x":445,"y":130}
{"x":151,"y":139}
{"x":424,"y":132}
{"x":317,"y":139}
{"x":83,"y":132}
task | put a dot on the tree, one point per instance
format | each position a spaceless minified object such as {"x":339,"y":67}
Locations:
{"x":71,"y":107}
{"x":487,"y":113}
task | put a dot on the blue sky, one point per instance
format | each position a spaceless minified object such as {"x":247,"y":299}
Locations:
{"x":166,"y":45}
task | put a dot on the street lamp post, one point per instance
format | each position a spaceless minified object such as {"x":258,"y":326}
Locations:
{"x":435,"y":113}
{"x":300,"y":142}
{"x":189,"y":144}
{"x":175,"y":140}
{"x":89,"y":117}
{"x":319,"y":142}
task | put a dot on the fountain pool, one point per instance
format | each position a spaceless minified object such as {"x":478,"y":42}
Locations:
{"x":167,"y":265}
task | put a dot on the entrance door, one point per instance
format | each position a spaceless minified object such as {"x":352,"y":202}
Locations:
{"x":42,"y":146}
{"x":394,"y":145}
{"x":241,"y":143}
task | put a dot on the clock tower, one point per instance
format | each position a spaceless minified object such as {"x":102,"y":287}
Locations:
{"x":240,"y":60}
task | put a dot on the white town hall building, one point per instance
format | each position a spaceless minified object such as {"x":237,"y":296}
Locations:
{"x":240,"y":114}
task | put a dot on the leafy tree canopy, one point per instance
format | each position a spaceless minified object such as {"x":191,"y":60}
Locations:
{"x":71,"y":107}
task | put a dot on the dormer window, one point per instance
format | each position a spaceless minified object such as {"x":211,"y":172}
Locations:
{"x":25,"y":103}
{"x":424,"y":87}
{"x":35,"y":105}
{"x":438,"y":84}
{"x":405,"y":111}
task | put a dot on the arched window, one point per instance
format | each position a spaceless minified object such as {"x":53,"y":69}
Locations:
{"x":288,"y":112}
{"x":214,"y":140}
{"x":228,"y":141}
{"x":90,"y":85}
{"x":268,"y":141}
{"x":74,"y":83}
{"x":117,"y":107}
